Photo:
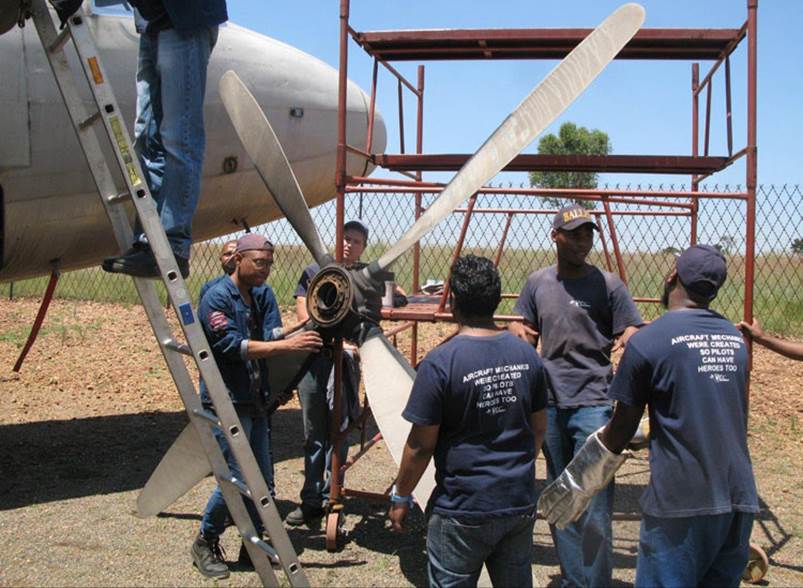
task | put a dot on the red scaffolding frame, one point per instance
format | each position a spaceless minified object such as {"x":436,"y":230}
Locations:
{"x":687,"y":44}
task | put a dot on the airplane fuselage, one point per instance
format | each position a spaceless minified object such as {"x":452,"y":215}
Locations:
{"x":49,"y":207}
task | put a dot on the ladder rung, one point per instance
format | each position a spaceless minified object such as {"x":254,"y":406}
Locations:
{"x":269,"y":550}
{"x":207,"y":415}
{"x":240,"y":486}
{"x":119,"y":198}
{"x":178,"y":347}
{"x":90,"y":120}
{"x":58,"y":42}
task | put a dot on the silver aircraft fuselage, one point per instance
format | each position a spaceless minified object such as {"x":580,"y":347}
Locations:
{"x":49,"y":207}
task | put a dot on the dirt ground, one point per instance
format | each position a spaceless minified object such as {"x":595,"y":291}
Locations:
{"x":93,"y":409}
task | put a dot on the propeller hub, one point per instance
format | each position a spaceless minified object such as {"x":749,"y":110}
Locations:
{"x":331,"y":297}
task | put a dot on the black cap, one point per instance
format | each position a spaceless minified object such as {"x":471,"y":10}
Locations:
{"x":702,"y":270}
{"x":569,"y":218}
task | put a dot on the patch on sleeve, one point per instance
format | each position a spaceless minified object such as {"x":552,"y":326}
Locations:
{"x":217,"y":321}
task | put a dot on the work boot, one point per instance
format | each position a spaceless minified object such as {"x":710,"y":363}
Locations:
{"x":139,"y":262}
{"x":207,"y":556}
{"x":304,"y":514}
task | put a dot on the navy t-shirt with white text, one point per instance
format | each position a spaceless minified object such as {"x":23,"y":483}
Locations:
{"x":690,"y":367}
{"x":482,"y":392}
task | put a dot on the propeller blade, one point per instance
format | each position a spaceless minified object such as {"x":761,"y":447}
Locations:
{"x":388,"y":380}
{"x":185,"y":463}
{"x":536,"y":112}
{"x":266,"y":152}
{"x":182,"y":467}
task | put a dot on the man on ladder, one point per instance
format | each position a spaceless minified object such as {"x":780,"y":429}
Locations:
{"x":176,"y":40}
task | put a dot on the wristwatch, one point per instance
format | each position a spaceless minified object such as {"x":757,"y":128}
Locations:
{"x":396,"y":499}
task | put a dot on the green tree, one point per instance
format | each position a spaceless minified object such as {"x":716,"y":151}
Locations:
{"x":797,"y":246}
{"x":570,"y":140}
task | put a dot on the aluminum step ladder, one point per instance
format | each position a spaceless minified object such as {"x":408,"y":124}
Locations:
{"x":107,"y":118}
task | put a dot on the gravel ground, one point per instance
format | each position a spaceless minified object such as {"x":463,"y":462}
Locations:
{"x":91,"y":413}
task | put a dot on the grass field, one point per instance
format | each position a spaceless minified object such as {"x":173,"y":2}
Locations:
{"x":778,"y":290}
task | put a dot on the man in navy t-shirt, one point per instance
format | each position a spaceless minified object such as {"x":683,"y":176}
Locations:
{"x":690,"y":368}
{"x":577,"y":310}
{"x":477,"y":405}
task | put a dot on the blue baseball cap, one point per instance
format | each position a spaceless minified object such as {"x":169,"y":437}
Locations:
{"x":702,"y":270}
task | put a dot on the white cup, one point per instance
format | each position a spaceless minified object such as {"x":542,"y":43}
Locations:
{"x":387,"y":299}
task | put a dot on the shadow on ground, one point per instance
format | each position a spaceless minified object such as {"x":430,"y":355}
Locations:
{"x":56,"y":460}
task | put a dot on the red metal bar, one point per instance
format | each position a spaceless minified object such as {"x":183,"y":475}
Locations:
{"x":458,"y":250}
{"x":707,"y":120}
{"x":419,"y":148}
{"x":406,"y":187}
{"x":397,"y":75}
{"x":336,"y":438}
{"x":594,"y":212}
{"x":728,"y":109}
{"x":695,"y":142}
{"x":354,"y":458}
{"x":604,"y":242}
{"x":725,"y":53}
{"x":667,"y":164}
{"x":534,"y":43}
{"x":396,"y":330}
{"x":358,"y":151}
{"x":615,"y":241}
{"x":501,"y":248}
{"x":342,"y":97}
{"x":401,"y":117}
{"x":752,"y":166}
{"x":369,"y":138}
{"x":40,"y":317}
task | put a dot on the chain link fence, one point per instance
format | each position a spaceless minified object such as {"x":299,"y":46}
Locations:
{"x":648,"y":237}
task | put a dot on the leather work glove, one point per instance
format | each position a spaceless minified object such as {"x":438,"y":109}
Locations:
{"x":566,"y":499}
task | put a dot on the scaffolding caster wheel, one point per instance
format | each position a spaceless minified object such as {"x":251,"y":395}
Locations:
{"x":334,"y":522}
{"x":757,"y":565}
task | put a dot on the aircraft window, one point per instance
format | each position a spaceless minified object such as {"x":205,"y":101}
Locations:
{"x":112,"y":8}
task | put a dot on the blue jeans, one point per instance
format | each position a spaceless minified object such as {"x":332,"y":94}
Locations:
{"x":257,"y":430}
{"x":693,"y":551}
{"x":458,"y":546}
{"x":585,"y":548}
{"x":317,"y":449}
{"x":169,"y":129}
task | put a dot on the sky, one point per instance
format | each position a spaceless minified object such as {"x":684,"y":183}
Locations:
{"x":645,"y":107}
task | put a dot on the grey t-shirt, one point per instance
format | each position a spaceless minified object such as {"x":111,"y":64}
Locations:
{"x":577,"y":319}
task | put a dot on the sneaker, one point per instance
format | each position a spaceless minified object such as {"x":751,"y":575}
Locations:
{"x":139,"y":262}
{"x":207,"y":556}
{"x":303,"y":514}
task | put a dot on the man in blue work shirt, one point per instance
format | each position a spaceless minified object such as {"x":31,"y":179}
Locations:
{"x":578,"y":311}
{"x":176,"y":40}
{"x":239,"y":316}
{"x":477,"y":405}
{"x":690,"y":367}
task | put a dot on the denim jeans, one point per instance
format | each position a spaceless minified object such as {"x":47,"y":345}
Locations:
{"x":257,"y":430}
{"x":458,"y":546}
{"x":317,"y":449}
{"x":585,"y":548}
{"x":693,"y":551}
{"x":169,"y":133}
